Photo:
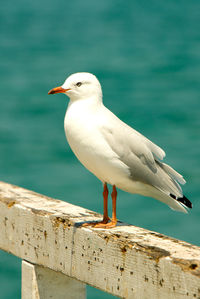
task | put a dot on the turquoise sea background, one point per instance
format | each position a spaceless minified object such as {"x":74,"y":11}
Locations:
{"x":146,"y":55}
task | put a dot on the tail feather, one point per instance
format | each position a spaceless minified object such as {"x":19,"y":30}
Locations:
{"x":172,"y":180}
{"x":173,"y":173}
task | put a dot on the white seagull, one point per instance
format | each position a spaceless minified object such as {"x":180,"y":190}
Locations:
{"x":114,"y":152}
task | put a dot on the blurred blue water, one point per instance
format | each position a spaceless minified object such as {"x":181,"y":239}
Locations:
{"x":146,"y":55}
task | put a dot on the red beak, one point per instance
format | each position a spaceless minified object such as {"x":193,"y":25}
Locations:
{"x":58,"y":89}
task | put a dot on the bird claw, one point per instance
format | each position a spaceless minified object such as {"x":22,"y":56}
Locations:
{"x":105,"y":225}
{"x":88,"y":224}
{"x":102,"y":224}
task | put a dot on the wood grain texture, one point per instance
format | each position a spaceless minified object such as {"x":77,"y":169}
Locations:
{"x":42,"y":283}
{"x":126,"y":261}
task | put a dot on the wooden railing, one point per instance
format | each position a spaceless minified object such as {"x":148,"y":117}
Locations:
{"x":59,"y":256}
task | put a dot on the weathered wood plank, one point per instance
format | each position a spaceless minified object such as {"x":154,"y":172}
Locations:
{"x":126,"y":261}
{"x":42,"y":283}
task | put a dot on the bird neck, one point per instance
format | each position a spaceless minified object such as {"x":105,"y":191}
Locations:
{"x":89,"y":103}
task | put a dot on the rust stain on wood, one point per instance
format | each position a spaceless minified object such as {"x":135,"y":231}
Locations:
{"x":192,"y":266}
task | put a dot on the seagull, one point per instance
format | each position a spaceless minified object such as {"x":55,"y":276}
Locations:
{"x":114,"y":152}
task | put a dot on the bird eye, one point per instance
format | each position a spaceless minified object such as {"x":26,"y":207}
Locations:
{"x":78,"y":84}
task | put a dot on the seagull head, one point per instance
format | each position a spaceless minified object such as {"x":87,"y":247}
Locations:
{"x":79,"y":86}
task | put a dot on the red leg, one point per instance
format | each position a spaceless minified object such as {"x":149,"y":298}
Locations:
{"x":105,"y":204}
{"x":114,"y":218}
{"x":114,"y":208}
{"x":105,"y":210}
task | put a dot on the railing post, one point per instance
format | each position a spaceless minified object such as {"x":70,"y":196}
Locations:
{"x":42,"y":283}
{"x":126,"y":261}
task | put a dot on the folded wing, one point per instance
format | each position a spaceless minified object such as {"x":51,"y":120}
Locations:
{"x":143,"y":158}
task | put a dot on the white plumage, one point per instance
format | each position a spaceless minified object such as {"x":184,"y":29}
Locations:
{"x":114,"y":152}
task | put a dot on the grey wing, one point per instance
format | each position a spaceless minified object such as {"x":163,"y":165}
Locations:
{"x":142,"y":158}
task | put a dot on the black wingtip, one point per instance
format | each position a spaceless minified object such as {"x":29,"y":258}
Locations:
{"x":184,"y":200}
